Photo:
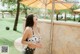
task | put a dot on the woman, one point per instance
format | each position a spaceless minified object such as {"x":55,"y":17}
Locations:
{"x":30,"y":30}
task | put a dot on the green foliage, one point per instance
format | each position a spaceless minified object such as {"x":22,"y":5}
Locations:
{"x":5,"y":35}
{"x":9,"y":1}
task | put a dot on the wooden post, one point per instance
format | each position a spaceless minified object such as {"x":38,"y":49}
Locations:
{"x":74,"y":17}
{"x":65,"y":17}
{"x":51,"y":30}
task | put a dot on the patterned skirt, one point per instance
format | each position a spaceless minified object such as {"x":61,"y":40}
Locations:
{"x":29,"y":51}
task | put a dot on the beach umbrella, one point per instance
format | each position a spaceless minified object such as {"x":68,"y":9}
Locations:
{"x":59,"y":5}
{"x":48,"y":4}
{"x":77,"y":11}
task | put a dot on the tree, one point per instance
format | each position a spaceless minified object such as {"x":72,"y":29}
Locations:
{"x":76,"y":6}
{"x":57,"y":13}
{"x":25,"y":9}
{"x":9,"y":4}
{"x":17,"y":16}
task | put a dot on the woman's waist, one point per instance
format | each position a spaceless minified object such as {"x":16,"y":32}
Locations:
{"x":31,"y":46}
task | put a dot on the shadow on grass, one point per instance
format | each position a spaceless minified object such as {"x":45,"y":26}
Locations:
{"x":4,"y":41}
{"x":19,"y":32}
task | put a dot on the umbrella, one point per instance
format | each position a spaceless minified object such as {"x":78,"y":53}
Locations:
{"x":77,"y":11}
{"x":59,"y":5}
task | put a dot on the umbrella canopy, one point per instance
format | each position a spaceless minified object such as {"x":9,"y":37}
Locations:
{"x":77,"y":11}
{"x":47,"y":4}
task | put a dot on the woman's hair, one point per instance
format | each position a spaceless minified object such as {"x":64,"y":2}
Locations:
{"x":29,"y":20}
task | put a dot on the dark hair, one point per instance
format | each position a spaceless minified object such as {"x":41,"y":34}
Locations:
{"x":29,"y":20}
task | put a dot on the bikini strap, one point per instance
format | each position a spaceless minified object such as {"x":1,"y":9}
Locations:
{"x":32,"y":31}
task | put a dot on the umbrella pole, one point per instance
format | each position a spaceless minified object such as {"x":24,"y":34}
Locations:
{"x":51,"y":29}
{"x":45,"y":11}
{"x":45,"y":8}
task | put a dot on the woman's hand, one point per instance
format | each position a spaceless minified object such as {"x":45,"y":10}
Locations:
{"x":35,"y":45}
{"x":38,"y":45}
{"x":31,"y":44}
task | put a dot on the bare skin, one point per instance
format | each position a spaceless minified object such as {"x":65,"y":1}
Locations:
{"x":28,"y":33}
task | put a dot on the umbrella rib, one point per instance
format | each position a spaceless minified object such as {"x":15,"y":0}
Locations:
{"x":32,"y":2}
{"x":65,"y":5}
{"x":41,"y":1}
{"x":49,"y":2}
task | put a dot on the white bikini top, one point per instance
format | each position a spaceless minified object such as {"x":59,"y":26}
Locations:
{"x":34,"y":38}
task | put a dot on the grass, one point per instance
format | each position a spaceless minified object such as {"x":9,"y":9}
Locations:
{"x":7,"y":37}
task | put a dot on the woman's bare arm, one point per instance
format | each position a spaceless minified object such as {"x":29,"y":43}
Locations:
{"x":25,"y":35}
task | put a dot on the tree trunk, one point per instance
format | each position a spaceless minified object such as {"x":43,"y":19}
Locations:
{"x":25,"y":9}
{"x":79,"y":18}
{"x":17,"y":16}
{"x":74,"y":17}
{"x":65,"y":17}
{"x":57,"y":17}
{"x":2,"y":14}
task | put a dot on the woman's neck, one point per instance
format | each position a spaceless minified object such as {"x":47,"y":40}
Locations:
{"x":35,"y":25}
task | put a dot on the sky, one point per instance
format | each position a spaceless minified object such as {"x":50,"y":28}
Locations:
{"x":2,"y":8}
{"x":78,"y":0}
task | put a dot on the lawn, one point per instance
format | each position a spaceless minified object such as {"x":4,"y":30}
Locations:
{"x":7,"y":37}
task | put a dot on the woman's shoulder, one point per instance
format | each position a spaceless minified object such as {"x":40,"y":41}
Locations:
{"x":28,"y":28}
